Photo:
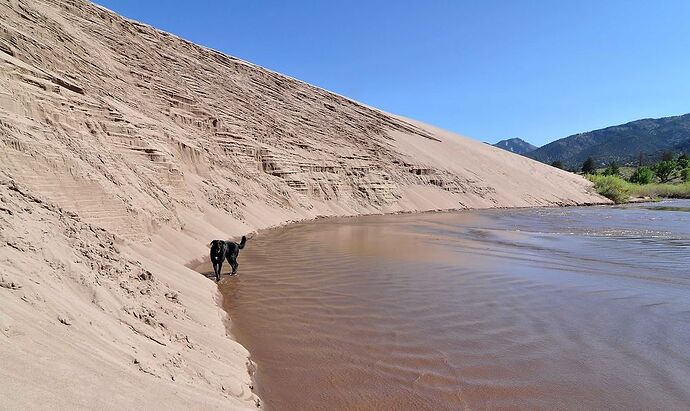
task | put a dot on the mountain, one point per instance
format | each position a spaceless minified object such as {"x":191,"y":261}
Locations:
{"x":125,"y":150}
{"x":516,"y":145}
{"x":622,"y":143}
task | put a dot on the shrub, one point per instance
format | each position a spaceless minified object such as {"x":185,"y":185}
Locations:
{"x":685,"y":174}
{"x":682,"y":163}
{"x":612,"y":169}
{"x":588,"y":166}
{"x":664,"y":170}
{"x":612,"y":187}
{"x":643,"y":175}
{"x":557,"y":164}
{"x":661,"y":190}
{"x":620,"y":191}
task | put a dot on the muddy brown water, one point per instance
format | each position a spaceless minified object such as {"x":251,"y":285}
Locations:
{"x":565,"y":308}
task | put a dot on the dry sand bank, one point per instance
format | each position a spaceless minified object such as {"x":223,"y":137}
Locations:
{"x":124,"y":150}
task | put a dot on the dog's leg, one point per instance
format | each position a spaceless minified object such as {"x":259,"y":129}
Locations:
{"x":233,"y":262}
{"x":220,"y":268}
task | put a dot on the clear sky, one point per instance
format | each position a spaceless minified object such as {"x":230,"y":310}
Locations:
{"x":539,"y":70}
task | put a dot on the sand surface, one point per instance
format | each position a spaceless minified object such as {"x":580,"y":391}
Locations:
{"x":124,"y":150}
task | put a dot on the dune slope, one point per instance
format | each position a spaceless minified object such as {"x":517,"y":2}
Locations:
{"x":124,"y":150}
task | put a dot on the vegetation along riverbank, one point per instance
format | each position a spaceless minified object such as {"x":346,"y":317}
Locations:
{"x":669,"y":178}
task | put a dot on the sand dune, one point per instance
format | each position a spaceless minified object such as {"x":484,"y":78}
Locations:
{"x":124,"y":150}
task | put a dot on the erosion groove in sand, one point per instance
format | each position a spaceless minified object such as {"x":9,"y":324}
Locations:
{"x":124,"y":150}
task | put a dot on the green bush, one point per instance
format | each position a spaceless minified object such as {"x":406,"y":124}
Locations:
{"x":664,"y":170}
{"x":588,"y":167}
{"x":685,"y":174}
{"x":662,"y":190}
{"x":620,"y":191}
{"x":643,"y":175}
{"x":612,"y":187}
{"x":612,"y":169}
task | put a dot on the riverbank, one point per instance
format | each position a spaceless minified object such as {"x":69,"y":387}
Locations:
{"x":621,"y":191}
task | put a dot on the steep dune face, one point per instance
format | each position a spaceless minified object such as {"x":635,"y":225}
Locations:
{"x":124,"y":150}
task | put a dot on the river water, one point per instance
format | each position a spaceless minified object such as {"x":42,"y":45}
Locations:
{"x":550,"y":308}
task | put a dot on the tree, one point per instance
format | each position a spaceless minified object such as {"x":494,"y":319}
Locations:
{"x":640,"y":159}
{"x":557,"y":164}
{"x":685,"y":174}
{"x":588,"y":166}
{"x":664,"y":169}
{"x":667,"y":156}
{"x":643,"y":175}
{"x":612,"y":169}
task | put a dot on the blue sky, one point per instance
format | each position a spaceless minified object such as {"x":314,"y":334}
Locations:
{"x":539,"y":70}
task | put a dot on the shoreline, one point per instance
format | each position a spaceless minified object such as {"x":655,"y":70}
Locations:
{"x":196,"y":263}
{"x":253,"y":233}
{"x":255,"y":269}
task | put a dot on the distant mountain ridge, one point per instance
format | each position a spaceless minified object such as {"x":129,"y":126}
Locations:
{"x":622,"y":143}
{"x":516,"y":145}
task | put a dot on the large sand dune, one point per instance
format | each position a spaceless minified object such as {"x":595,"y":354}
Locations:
{"x":124,"y":150}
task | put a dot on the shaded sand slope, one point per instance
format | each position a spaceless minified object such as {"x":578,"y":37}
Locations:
{"x":124,"y":150}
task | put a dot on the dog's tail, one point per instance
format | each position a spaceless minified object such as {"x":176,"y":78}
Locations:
{"x":242,"y":242}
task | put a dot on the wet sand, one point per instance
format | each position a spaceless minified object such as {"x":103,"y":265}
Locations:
{"x":576,"y":308}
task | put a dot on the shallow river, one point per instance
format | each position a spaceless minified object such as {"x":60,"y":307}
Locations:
{"x":560,"y":308}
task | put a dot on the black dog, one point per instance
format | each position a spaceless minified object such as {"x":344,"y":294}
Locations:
{"x":220,"y":250}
